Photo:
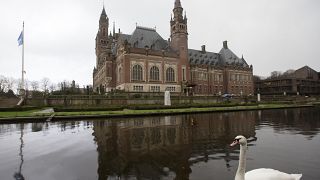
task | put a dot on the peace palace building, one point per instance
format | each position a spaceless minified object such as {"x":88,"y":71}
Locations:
{"x":144,"y":62}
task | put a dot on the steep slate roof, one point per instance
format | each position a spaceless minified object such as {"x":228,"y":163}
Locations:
{"x":142,"y":37}
{"x":124,"y":37}
{"x":306,"y":67}
{"x":224,"y":57}
{"x":199,"y":57}
{"x":229,"y":58}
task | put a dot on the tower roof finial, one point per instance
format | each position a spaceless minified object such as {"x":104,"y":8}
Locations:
{"x":177,"y":4}
{"x":103,"y":10}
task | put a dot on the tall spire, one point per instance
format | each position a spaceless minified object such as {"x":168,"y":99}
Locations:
{"x":103,"y":17}
{"x":177,"y":4}
{"x":103,"y":12}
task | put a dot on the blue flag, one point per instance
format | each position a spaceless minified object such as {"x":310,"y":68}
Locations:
{"x":20,"y":39}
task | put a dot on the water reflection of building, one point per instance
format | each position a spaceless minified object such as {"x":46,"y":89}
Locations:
{"x":215,"y":129}
{"x":164,"y":146}
{"x":133,"y":146}
{"x":303,"y":121}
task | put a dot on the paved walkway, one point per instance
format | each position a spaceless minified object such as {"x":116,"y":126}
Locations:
{"x":45,"y":111}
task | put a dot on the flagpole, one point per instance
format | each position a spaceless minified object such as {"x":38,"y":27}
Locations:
{"x":22,"y":77}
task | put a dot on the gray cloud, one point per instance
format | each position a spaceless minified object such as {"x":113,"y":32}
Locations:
{"x":272,"y":34}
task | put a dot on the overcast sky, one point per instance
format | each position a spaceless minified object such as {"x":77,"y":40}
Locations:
{"x":60,"y":34}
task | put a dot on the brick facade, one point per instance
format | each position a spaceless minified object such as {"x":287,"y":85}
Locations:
{"x":303,"y":81}
{"x":144,"y":62}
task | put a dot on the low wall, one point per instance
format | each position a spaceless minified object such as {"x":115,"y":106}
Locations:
{"x":93,"y":101}
{"x":126,"y":100}
{"x":8,"y":102}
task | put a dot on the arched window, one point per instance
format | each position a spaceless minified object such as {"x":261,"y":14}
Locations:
{"x":137,"y":73}
{"x":170,"y":76}
{"x":154,"y":73}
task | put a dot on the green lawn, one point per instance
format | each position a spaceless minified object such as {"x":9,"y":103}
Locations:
{"x":11,"y":114}
{"x":168,"y":111}
{"x":31,"y":113}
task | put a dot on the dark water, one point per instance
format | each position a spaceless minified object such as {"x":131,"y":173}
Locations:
{"x":172,"y":147}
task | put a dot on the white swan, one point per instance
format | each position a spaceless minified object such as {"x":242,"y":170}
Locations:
{"x":257,"y":174}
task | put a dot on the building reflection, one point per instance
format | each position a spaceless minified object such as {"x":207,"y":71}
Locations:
{"x":305,"y":121}
{"x":166,"y":146}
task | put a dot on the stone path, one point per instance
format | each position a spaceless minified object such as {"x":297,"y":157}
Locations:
{"x":45,"y":111}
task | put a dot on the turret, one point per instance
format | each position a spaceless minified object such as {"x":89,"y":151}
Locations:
{"x":104,"y":21}
{"x":102,"y":39}
{"x":179,"y":41}
{"x":179,"y":30}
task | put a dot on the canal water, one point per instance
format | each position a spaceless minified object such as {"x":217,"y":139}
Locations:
{"x":193,"y":146}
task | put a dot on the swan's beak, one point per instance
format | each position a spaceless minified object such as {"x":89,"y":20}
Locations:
{"x":234,"y":143}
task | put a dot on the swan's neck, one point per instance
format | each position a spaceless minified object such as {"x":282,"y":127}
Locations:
{"x":242,"y":163}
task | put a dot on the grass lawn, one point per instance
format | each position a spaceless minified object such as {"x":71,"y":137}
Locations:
{"x":12,"y":114}
{"x":168,"y":111}
{"x":31,"y":113}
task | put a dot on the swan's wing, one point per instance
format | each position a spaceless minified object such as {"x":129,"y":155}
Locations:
{"x":270,"y":174}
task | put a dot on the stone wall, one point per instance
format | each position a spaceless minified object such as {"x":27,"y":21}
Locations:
{"x":8,"y":102}
{"x":93,"y":101}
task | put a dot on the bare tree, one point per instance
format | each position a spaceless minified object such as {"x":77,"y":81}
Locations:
{"x":256,"y":78}
{"x":45,"y":84}
{"x":27,"y":84}
{"x":10,"y":83}
{"x":52,"y":87}
{"x":275,"y":74}
{"x":289,"y":72}
{"x":60,"y":86}
{"x":2,"y":83}
{"x":34,"y":85}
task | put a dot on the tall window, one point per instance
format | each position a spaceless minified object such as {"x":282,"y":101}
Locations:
{"x":154,"y":73}
{"x":137,"y":73}
{"x":120,"y":75}
{"x":183,"y":74}
{"x":170,"y":75}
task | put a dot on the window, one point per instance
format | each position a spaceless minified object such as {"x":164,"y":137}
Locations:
{"x":172,"y":89}
{"x":119,"y":75}
{"x":220,"y":78}
{"x":154,"y":73}
{"x":137,"y":73}
{"x":155,"y":88}
{"x":170,"y":76}
{"x":138,"y":88}
{"x":204,"y":76}
{"x":233,"y":77}
{"x":183,"y":74}
{"x":103,"y":32}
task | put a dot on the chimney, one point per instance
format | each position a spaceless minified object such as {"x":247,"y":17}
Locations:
{"x":225,"y":44}
{"x":203,"y":48}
